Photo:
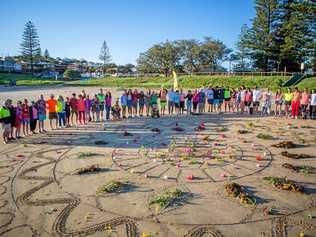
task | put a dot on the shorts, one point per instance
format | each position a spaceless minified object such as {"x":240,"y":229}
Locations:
{"x":216,"y":102}
{"x":101,"y":107}
{"x":26,"y":121}
{"x":129,"y":103}
{"x":210,"y":101}
{"x":287,"y":103}
{"x":163,"y":104}
{"x":227,"y":99}
{"x":170,"y":103}
{"x":304,"y":108}
{"x":182,"y":104}
{"x":52,"y":115}
{"x":74,"y":111}
{"x":177,"y":105}
{"x":247,"y":103}
{"x":256,"y":103}
{"x":41,"y":117}
{"x":220,"y":101}
{"x":135,"y":104}
{"x":6,"y":127}
{"x":278,"y":102}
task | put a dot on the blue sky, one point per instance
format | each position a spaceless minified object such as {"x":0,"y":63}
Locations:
{"x":77,"y":28}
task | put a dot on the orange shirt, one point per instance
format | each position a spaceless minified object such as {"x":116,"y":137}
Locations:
{"x":51,"y":105}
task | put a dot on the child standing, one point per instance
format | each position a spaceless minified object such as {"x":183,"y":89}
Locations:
{"x":18,"y":120}
{"x":33,"y":117}
{"x":5,"y":119}
{"x":296,"y":103}
{"x":81,"y":110}
{"x":26,"y":118}
{"x":266,"y":103}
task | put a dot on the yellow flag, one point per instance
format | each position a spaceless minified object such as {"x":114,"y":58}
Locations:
{"x":175,"y":80}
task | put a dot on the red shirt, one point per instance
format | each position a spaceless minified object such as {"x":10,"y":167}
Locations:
{"x":73,"y":103}
{"x":51,"y":105}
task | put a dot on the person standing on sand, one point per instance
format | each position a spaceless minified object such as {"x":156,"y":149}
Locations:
{"x":288,"y":97}
{"x":123,"y":100}
{"x":52,"y":112}
{"x":67,"y":112}
{"x":108,"y":105}
{"x":33,"y":117}
{"x":170,"y":96}
{"x":18,"y":120}
{"x":101,"y":98}
{"x":312,"y":108}
{"x":163,"y":100}
{"x":41,"y":104}
{"x":74,"y":109}
{"x":81,"y":110}
{"x":5,"y":120}
{"x":278,"y":102}
{"x":13,"y":114}
{"x":26,"y":118}
{"x":304,"y":103}
{"x":61,"y":111}
{"x":296,"y":103}
{"x":189,"y":97}
{"x":256,"y":96}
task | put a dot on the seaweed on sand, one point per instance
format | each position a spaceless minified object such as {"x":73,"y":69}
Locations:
{"x":294,"y":156}
{"x":264,"y":136}
{"x":299,"y":168}
{"x":171,"y":197}
{"x":237,"y":191}
{"x":284,"y":184}
{"x":87,"y":170}
{"x":285,"y":144}
{"x":114,"y":186}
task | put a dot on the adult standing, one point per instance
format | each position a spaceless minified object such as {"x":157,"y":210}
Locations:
{"x":52,"y":112}
{"x":108,"y":105}
{"x":210,"y":98}
{"x":41,"y":105}
{"x":313,"y":105}
{"x":256,"y":96}
{"x":304,"y":103}
{"x":295,"y":105}
{"x":170,"y":96}
{"x":74,"y":109}
{"x":124,"y":103}
{"x":163,"y":100}
{"x":33,"y":117}
{"x":5,"y":120}
{"x":61,"y":111}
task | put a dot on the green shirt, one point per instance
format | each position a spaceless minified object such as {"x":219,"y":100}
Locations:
{"x":60,"y":106}
{"x":101,"y":97}
{"x":5,"y":115}
{"x":226,"y":94}
{"x":153,"y":99}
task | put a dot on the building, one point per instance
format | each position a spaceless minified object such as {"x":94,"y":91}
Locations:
{"x":9,"y":65}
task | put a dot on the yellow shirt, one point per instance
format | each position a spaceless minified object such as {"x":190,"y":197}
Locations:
{"x":288,"y":96}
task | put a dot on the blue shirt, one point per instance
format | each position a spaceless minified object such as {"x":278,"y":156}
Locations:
{"x":124,"y":100}
{"x":171,"y":95}
{"x":210,"y":94}
{"x":176,"y":98}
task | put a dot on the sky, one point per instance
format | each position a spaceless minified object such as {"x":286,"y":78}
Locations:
{"x":77,"y":28}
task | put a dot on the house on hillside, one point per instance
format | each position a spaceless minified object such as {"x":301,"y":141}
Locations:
{"x":9,"y":65}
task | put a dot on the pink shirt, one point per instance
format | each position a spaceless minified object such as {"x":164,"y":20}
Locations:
{"x":305,"y":98}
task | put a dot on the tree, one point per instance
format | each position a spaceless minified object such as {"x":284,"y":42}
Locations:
{"x":242,"y":52}
{"x":212,"y":53}
{"x":72,"y":74}
{"x":261,"y":36}
{"x":296,"y":33}
{"x":190,"y":51}
{"x":30,"y":46}
{"x":46,"y":54}
{"x":162,"y":58}
{"x":105,"y":56}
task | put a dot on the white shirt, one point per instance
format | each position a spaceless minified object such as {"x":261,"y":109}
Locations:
{"x":256,"y":95}
{"x":313,"y":100}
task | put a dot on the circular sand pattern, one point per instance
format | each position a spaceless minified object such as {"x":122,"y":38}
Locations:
{"x":198,"y":162}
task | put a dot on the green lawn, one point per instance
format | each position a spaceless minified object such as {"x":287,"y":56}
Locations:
{"x":26,"y":80}
{"x":185,"y":82}
{"x":271,"y":82}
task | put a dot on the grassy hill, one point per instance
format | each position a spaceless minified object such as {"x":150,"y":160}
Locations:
{"x":192,"y":82}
